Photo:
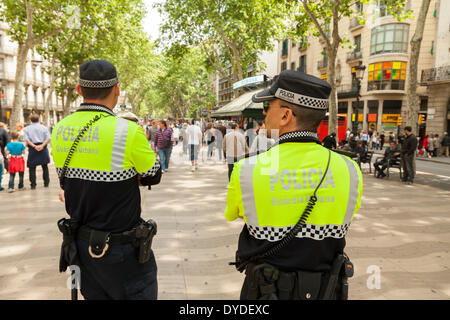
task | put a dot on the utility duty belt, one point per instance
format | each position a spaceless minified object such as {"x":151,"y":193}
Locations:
{"x":266,"y":282}
{"x":141,"y":237}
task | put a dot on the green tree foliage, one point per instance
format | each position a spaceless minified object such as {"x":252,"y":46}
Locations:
{"x":183,"y":86}
{"x":231,"y":32}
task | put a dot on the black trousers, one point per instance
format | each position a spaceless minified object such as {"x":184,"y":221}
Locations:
{"x":5,"y":160}
{"x":45,"y":175}
{"x":118,"y":275}
{"x":407,"y":164}
{"x":380,"y":166}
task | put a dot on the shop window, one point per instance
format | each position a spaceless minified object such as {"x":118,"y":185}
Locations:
{"x":388,"y":75}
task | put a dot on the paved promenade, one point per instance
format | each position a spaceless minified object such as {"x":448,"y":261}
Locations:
{"x":402,"y":231}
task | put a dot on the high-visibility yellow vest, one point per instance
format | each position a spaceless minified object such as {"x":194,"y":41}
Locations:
{"x":113,"y":149}
{"x":271,"y":190}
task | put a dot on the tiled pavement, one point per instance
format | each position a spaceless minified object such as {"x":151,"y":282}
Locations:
{"x":402,"y":230}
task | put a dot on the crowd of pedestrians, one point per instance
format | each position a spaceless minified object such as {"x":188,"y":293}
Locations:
{"x":225,"y":141}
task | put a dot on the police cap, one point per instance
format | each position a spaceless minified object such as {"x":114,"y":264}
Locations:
{"x":98,"y":74}
{"x":297,"y":88}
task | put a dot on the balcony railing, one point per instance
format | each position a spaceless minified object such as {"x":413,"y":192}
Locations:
{"x":347,"y":90}
{"x":440,"y":74}
{"x":322,"y":64}
{"x":354,"y":55}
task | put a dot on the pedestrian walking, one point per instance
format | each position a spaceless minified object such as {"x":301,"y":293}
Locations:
{"x":234,"y":146}
{"x":163,"y":143}
{"x":15,"y":150}
{"x":183,"y":138}
{"x":285,"y":257}
{"x":436,"y":145}
{"x":194,"y":140}
{"x":262,"y":143}
{"x":430,"y":142}
{"x":375,"y":141}
{"x":365,"y":138}
{"x":105,"y":235}
{"x":1,"y":171}
{"x":445,"y":144}
{"x":210,"y":136}
{"x":4,"y":140}
{"x":37,"y":137}
{"x":382,"y":137}
{"x":409,"y":147}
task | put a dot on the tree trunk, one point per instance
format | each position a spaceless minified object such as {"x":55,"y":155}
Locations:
{"x":17,"y":108}
{"x":66,"y":105}
{"x":331,"y":77}
{"x":48,"y":103}
{"x":412,"y":106}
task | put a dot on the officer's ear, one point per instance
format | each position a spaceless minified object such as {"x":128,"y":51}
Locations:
{"x":78,"y":88}
{"x":116,"y":90}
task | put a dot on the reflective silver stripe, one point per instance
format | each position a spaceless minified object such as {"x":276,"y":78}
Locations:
{"x":247,"y":191}
{"x":353,"y":192}
{"x":120,"y":140}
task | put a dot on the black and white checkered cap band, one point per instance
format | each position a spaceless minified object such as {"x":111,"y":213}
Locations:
{"x":94,"y":175}
{"x":311,"y":231}
{"x":99,"y":83}
{"x":299,"y":99}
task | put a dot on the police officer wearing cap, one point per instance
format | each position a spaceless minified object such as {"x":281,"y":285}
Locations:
{"x":101,"y":160}
{"x":297,"y":200}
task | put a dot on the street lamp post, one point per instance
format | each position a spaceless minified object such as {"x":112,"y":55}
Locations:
{"x":359,"y":74}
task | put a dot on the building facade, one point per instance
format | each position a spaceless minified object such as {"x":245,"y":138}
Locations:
{"x":382,"y":45}
{"x":225,"y":91}
{"x":36,"y":83}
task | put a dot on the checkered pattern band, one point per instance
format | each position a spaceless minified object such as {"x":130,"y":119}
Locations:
{"x":99,"y":83}
{"x":297,"y":134}
{"x":94,"y":175}
{"x":93,"y":107}
{"x":152,"y":171}
{"x":311,"y":231}
{"x":299,"y":99}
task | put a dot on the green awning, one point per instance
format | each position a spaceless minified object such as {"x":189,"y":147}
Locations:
{"x":237,"y":106}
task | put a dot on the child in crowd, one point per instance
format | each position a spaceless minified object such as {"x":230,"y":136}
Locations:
{"x":16,"y":162}
{"x":1,"y":171}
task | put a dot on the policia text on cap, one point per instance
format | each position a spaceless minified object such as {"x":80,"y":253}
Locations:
{"x":297,"y":210}
{"x":101,"y":159}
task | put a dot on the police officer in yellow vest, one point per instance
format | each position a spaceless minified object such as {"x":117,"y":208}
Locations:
{"x":297,"y":200}
{"x":101,"y":159}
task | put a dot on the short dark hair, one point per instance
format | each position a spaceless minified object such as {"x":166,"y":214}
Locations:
{"x":96,"y":93}
{"x":233,"y":125}
{"x":307,"y":118}
{"x":14,"y":135}
{"x":34,"y":118}
{"x":408,"y":128}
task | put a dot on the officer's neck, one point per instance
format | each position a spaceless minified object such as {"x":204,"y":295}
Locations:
{"x":109,"y":104}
